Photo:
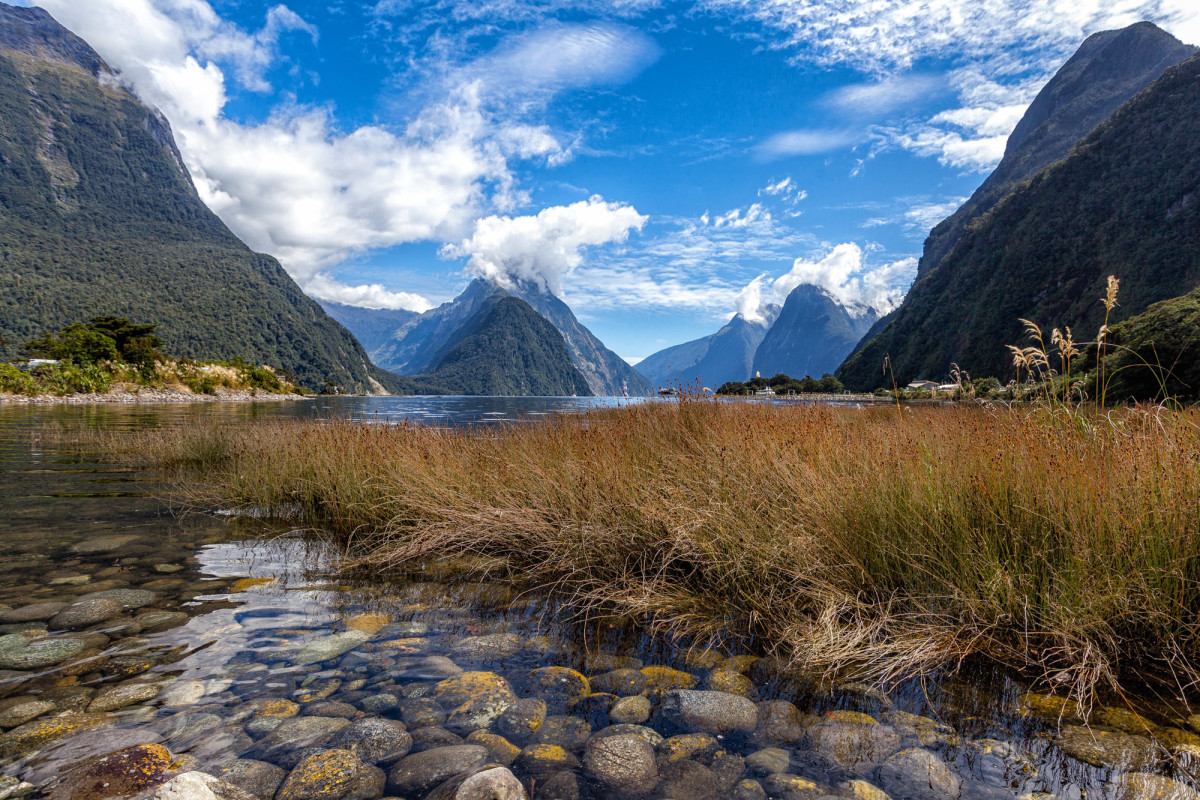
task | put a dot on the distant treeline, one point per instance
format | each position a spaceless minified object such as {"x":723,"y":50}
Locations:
{"x":785,"y":384}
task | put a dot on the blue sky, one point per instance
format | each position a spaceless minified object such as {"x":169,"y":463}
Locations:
{"x":658,"y":164}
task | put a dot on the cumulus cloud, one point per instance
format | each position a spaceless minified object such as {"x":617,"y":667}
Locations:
{"x":373,"y":295}
{"x":295,"y":186}
{"x":542,"y":248}
{"x":844,"y":273}
{"x":750,"y":300}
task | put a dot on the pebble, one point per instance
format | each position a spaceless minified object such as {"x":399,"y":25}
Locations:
{"x":492,"y":784}
{"x":129,"y":598}
{"x":374,"y":740}
{"x":199,"y":786}
{"x":710,"y":712}
{"x":330,"y":647}
{"x":917,"y":774}
{"x":19,"y":714}
{"x":769,"y":760}
{"x":36,"y":612}
{"x":546,"y":758}
{"x":115,"y":697}
{"x":256,"y":777}
{"x":40,"y":653}
{"x":501,"y":750}
{"x":120,"y":774}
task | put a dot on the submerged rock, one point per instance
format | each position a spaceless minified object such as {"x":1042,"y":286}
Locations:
{"x":32,"y":735}
{"x":1108,"y":748}
{"x":624,"y":762}
{"x":710,"y":712}
{"x":475,"y":700}
{"x":23,"y":712}
{"x":917,"y":774}
{"x":375,"y":741}
{"x":256,"y":777}
{"x":332,"y":775}
{"x":330,"y":647}
{"x":491,"y":784}
{"x":521,"y":720}
{"x":40,"y":653}
{"x":630,"y":710}
{"x":85,"y":613}
{"x":120,"y":774}
{"x":199,"y":786}
{"x":418,"y":773}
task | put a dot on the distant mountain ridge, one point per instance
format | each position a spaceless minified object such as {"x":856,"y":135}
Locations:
{"x":371,"y":326}
{"x":1126,"y":202}
{"x":413,"y":349}
{"x":99,"y":216}
{"x":727,"y":355}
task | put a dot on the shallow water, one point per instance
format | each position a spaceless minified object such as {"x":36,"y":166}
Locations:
{"x":210,"y":640}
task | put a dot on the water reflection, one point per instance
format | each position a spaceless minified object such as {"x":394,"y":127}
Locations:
{"x":233,"y":646}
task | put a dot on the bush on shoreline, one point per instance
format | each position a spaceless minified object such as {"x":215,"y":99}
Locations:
{"x":863,"y":543}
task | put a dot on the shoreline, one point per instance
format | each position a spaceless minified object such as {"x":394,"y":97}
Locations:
{"x":147,"y":396}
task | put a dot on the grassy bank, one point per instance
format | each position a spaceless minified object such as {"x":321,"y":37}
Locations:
{"x":866,"y":543}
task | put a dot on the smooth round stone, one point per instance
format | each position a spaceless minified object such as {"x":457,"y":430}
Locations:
{"x":379,"y":703}
{"x":749,"y":790}
{"x":41,"y":653}
{"x":789,"y":786}
{"x":295,"y":734}
{"x":625,"y":762}
{"x":630,"y":710}
{"x":330,"y":708}
{"x":769,"y":760}
{"x":710,"y":712}
{"x":558,"y":786}
{"x":375,"y":741}
{"x":917,"y":773}
{"x":648,"y":735}
{"x":416,"y":774}
{"x":256,"y":777}
{"x":521,"y":720}
{"x":691,"y":745}
{"x":125,"y":695}
{"x":732,"y":682}
{"x":262,"y":726}
{"x":475,"y":700}
{"x":129,"y":598}
{"x":332,"y":775}
{"x":168,"y":569}
{"x":33,"y":735}
{"x":37,"y":612}
{"x":182,"y":693}
{"x":71,"y":580}
{"x":421,"y":712}
{"x":662,"y":679}
{"x":559,"y":686}
{"x":85,"y":613}
{"x":19,"y":714}
{"x":432,"y":737}
{"x":852,"y":745}
{"x":199,"y":786}
{"x":1107,"y":748}
{"x":330,"y":647}
{"x":491,"y":784}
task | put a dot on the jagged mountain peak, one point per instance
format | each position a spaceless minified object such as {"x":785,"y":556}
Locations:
{"x":34,"y":32}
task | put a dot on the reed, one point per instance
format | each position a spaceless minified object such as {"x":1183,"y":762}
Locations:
{"x":858,"y":543}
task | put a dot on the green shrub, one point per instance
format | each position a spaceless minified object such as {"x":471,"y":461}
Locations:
{"x":13,"y":381}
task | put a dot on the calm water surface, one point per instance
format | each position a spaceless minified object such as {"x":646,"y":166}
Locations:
{"x":227,"y":642}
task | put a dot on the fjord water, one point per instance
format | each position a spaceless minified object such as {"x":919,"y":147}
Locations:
{"x":232,"y":643}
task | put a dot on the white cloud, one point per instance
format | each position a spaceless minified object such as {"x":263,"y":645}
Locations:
{"x":844,"y":273}
{"x":737,"y":218}
{"x":882,"y":96}
{"x":750,"y":300}
{"x":373,"y":295}
{"x":542,"y":248}
{"x":807,"y":142}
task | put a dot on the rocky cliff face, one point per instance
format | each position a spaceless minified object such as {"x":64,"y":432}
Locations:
{"x":98,"y":216}
{"x":1124,"y":203}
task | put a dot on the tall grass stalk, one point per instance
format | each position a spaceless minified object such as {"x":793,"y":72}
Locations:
{"x":860,"y":543}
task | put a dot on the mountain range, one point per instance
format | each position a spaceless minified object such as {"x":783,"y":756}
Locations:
{"x":809,"y":335}
{"x":1123,"y":201}
{"x":98,"y":215}
{"x":417,"y":345}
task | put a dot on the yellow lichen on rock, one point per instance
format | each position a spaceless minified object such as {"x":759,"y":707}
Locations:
{"x":664,"y":679}
{"x":367,"y":623}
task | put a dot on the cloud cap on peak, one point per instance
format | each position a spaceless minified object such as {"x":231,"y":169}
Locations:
{"x":541,"y":248}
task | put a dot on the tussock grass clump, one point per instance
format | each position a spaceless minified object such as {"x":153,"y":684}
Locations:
{"x":863,"y":543}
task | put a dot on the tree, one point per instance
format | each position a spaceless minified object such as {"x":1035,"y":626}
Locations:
{"x":75,"y":343}
{"x":830,"y":385}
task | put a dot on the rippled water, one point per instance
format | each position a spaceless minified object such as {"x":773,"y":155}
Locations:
{"x":228,"y":643}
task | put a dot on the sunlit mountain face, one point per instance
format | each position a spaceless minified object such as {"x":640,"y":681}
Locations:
{"x":657,"y":166}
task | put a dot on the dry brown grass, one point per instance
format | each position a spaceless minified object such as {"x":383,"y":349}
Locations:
{"x":866,"y":543}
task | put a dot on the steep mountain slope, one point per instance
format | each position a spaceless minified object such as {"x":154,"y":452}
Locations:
{"x":99,"y":216}
{"x":1108,"y":69}
{"x":371,"y":326}
{"x":812,"y":335}
{"x":606,"y":372}
{"x":1155,"y":354}
{"x":727,"y":355}
{"x":508,"y":350}
{"x":1126,"y":202}
{"x":414,"y":349}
